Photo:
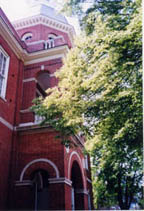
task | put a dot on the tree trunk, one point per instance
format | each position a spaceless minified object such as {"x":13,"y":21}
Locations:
{"x":120,"y":193}
{"x":124,"y":200}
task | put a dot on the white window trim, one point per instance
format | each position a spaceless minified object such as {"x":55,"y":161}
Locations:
{"x":52,"y":36}
{"x":24,"y":37}
{"x":4,"y":86}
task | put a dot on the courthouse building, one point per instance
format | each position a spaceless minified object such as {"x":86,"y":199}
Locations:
{"x":37,"y":172}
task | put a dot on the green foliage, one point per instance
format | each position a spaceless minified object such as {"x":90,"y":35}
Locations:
{"x":141,"y":203}
{"x":52,"y":117}
{"x":100,"y":93}
{"x":118,"y":13}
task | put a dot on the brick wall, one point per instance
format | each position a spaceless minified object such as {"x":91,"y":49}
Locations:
{"x":29,"y":87}
{"x":44,"y":35}
{"x":27,"y":149}
{"x":8,"y":119}
{"x":5,"y":152}
{"x":15,"y":69}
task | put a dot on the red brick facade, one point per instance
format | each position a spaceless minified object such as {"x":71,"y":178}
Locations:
{"x":37,"y":171}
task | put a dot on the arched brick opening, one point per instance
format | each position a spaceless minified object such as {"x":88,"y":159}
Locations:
{"x":74,"y":156}
{"x":77,"y":187}
{"x":43,"y":83}
{"x":41,"y":163}
{"x":33,"y":190}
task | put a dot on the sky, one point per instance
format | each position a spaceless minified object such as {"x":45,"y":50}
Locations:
{"x":15,"y":9}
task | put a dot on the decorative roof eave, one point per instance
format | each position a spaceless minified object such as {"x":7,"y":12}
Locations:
{"x":41,"y":19}
{"x":16,"y":46}
{"x":21,"y":53}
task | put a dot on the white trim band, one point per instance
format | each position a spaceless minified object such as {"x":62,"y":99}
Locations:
{"x":89,"y":180}
{"x":27,"y":124}
{"x":50,"y":180}
{"x":43,"y":59}
{"x":84,"y":191}
{"x":7,"y":124}
{"x":60,"y":180}
{"x":52,"y":75}
{"x":29,"y":79}
{"x":23,"y":183}
{"x":25,"y":111}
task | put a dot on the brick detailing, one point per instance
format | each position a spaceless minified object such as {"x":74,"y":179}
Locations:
{"x":36,"y":169}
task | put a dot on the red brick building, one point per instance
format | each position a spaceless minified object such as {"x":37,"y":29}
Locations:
{"x":37,"y":172}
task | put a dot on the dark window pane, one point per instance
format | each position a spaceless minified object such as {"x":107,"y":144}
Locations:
{"x":4,"y":65}
{"x":1,"y":61}
{"x":1,"y":83}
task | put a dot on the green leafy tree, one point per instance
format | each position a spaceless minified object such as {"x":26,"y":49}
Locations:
{"x":100,"y":93}
{"x":118,"y":13}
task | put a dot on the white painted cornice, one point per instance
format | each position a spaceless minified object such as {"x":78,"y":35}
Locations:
{"x":47,"y":21}
{"x":45,"y":55}
{"x":6,"y":33}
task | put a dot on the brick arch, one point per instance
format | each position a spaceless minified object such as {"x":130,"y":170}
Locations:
{"x":25,"y":34}
{"x":52,"y":34}
{"x":35,"y":164}
{"x":74,"y":156}
{"x":39,"y":72}
{"x":76,"y":175}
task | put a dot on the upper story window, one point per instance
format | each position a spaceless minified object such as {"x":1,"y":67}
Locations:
{"x":27,"y":36}
{"x":43,"y":83}
{"x":52,"y":36}
{"x":4,"y":64}
{"x":50,"y":43}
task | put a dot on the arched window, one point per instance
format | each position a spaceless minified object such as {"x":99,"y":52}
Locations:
{"x":43,"y":83}
{"x":52,"y":36}
{"x":27,"y":36}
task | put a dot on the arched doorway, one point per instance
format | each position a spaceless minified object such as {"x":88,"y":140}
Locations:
{"x":77,"y":195}
{"x":40,"y":190}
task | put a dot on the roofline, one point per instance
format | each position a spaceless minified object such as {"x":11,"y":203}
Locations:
{"x":11,"y":28}
{"x":19,"y":47}
{"x":47,"y":21}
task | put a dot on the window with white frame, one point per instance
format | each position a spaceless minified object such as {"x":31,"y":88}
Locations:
{"x":27,"y":36}
{"x":4,"y":64}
